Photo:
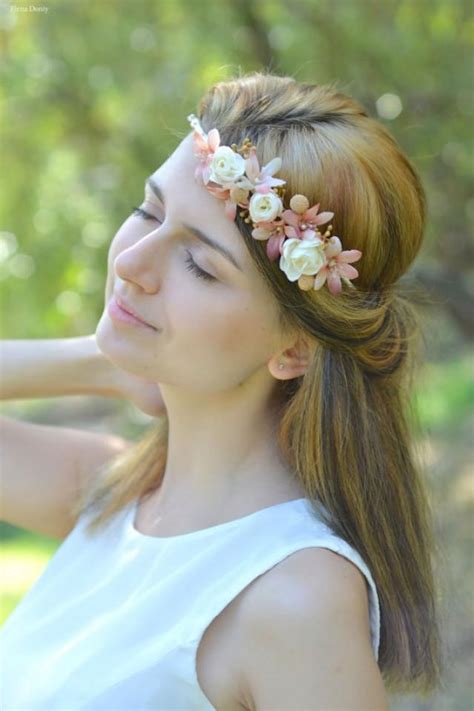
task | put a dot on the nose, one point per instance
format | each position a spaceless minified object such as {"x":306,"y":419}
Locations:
{"x":143,"y":262}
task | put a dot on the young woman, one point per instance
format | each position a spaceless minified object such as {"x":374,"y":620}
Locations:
{"x":268,"y":543}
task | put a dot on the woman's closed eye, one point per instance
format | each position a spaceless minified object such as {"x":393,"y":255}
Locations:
{"x":142,"y":213}
{"x":191,"y":264}
{"x":193,"y":267}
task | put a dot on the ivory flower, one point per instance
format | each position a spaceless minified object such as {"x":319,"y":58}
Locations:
{"x":302,"y":257}
{"x":226,"y":166}
{"x":265,"y":207}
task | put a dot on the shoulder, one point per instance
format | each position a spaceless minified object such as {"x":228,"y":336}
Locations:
{"x":315,"y":581}
{"x":307,"y":636}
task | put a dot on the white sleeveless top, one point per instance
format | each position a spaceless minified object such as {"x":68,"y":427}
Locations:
{"x":115,"y":619}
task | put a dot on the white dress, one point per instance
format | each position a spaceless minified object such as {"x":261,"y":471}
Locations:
{"x":115,"y":619}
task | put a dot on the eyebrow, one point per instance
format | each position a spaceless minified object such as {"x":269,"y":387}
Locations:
{"x":194,"y":230}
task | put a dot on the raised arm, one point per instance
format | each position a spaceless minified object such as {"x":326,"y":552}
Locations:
{"x":41,"y":465}
{"x":37,"y":368}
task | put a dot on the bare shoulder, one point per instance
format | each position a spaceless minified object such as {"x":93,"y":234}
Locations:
{"x":307,"y":637}
{"x":314,"y":580}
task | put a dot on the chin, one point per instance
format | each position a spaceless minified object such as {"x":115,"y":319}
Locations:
{"x":118,"y":347}
{"x":107,"y":336}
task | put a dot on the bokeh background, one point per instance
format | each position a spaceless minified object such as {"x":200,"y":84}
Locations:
{"x":94,"y":96}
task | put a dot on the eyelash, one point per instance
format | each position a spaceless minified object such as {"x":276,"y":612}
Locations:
{"x":141,"y":213}
{"x":193,"y":267}
{"x":191,"y":264}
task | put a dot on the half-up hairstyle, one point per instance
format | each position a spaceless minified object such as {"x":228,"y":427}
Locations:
{"x":345,"y":426}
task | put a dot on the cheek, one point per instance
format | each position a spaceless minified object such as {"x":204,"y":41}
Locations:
{"x":223,"y":325}
{"x":247,"y":334}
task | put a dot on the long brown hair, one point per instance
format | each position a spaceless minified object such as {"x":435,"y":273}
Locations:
{"x":345,"y":425}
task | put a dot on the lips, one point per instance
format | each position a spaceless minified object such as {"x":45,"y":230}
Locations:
{"x":125,"y":307}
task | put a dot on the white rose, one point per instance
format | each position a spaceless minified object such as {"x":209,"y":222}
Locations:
{"x":302,"y":256}
{"x":265,"y":207}
{"x":226,"y":165}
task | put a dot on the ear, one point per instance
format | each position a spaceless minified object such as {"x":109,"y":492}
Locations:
{"x":295,"y":360}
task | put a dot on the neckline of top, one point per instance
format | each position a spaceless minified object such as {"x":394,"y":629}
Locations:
{"x":130,"y":522}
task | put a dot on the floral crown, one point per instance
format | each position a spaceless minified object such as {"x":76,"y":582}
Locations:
{"x":306,"y":255}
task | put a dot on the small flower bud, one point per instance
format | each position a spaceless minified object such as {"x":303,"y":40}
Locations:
{"x":238,"y":194}
{"x":299,"y":204}
{"x":305,"y":282}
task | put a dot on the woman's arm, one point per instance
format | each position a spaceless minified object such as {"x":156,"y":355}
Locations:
{"x":70,"y":366}
{"x":306,"y":638}
{"x":54,"y":367}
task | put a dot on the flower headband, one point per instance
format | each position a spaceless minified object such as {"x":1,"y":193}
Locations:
{"x":231,"y":174}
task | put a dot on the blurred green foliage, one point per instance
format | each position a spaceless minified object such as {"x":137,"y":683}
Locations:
{"x":95,"y":96}
{"x":445,"y":394}
{"x":23,"y":558}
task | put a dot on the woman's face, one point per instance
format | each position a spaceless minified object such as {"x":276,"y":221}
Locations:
{"x":211,"y":331}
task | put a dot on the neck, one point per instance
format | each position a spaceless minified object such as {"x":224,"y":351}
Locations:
{"x":223,"y":452}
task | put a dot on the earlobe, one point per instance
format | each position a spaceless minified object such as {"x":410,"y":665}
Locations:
{"x":292,"y":361}
{"x":286,"y":369}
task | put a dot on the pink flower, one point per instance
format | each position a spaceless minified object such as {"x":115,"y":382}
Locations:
{"x":274,"y":232}
{"x":204,"y":149}
{"x":337,"y":266}
{"x":304,"y":226}
{"x":206,"y":145}
{"x":261,"y":180}
{"x":290,"y":224}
